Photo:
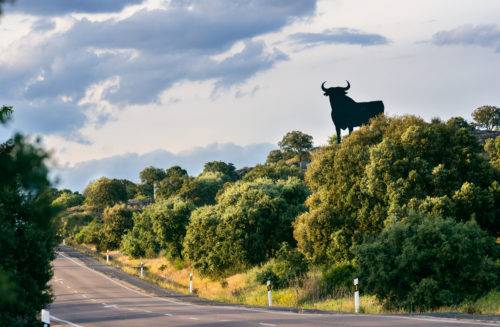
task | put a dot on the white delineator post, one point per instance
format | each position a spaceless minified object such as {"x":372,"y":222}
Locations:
{"x":356,"y":296}
{"x":190,"y":283}
{"x":142,"y":270}
{"x":64,"y":241}
{"x":269,"y":294}
{"x":45,"y":318}
{"x":107,"y":256}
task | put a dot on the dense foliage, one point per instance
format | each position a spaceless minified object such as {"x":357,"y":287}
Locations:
{"x":160,"y":226}
{"x":174,"y":180}
{"x":67,"y":199}
{"x":492,"y":148}
{"x":245,"y":227}
{"x":419,"y":263}
{"x":27,"y":234}
{"x":201,"y":190}
{"x":117,"y":220}
{"x":386,"y":169}
{"x":294,"y":147}
{"x":105,"y":192}
{"x":288,"y":268}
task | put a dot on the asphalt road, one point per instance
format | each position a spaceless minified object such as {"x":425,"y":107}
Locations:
{"x":89,"y":293}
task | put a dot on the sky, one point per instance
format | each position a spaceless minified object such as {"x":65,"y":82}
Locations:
{"x":113,"y":86}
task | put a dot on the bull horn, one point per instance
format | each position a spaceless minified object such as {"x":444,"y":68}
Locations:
{"x":348,"y":86}
{"x":323,"y":87}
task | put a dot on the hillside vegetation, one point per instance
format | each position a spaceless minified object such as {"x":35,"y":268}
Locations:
{"x":409,"y":207}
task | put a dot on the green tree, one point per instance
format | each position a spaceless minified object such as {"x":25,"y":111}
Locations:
{"x":275,"y":171}
{"x":92,"y":233}
{"x":275,"y":156}
{"x":130,"y":187}
{"x":487,"y":117}
{"x":117,"y":220}
{"x":245,"y":227}
{"x":296,"y":144}
{"x":161,"y":226}
{"x":227,"y":169}
{"x":384,"y":170}
{"x":419,"y":263}
{"x":151,"y":175}
{"x":492,"y":148}
{"x":27,"y":232}
{"x":105,"y":192}
{"x":202,"y":190}
{"x":174,"y":180}
{"x":176,"y":171}
{"x":67,"y":199}
{"x":70,"y":222}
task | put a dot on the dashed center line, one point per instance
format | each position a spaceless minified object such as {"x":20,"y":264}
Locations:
{"x":266,"y":324}
{"x":193,"y":318}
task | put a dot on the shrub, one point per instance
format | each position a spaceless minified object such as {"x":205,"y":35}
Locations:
{"x":92,"y":234}
{"x":337,"y":280}
{"x":160,"y":226}
{"x":421,"y":263}
{"x":140,"y":241}
{"x":117,"y":220}
{"x":245,"y":227}
{"x":67,"y":200}
{"x":202,"y":190}
{"x":105,"y":192}
{"x":288,"y":268}
{"x":70,"y":223}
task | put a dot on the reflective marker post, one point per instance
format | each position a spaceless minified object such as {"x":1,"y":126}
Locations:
{"x":356,"y":296}
{"x":190,"y":283}
{"x":45,"y":318}
{"x":107,"y":256}
{"x":142,"y":270}
{"x":269,"y":294}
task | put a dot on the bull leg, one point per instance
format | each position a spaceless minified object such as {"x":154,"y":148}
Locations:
{"x":350,"y":129}
{"x":338,"y":135}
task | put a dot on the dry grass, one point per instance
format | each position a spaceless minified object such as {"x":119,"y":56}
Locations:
{"x":243,"y":289}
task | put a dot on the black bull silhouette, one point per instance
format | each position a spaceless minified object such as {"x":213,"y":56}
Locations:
{"x":347,"y":113}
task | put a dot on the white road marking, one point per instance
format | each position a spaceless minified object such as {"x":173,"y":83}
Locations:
{"x":147,"y":311}
{"x":193,"y":318}
{"x":120,"y":284}
{"x":65,"y":321}
{"x":84,"y":295}
{"x":264,"y":324}
{"x":168,"y":314}
{"x":93,"y":300}
{"x":111,"y":306}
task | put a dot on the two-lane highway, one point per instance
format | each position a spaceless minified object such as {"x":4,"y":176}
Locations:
{"x":91,"y":294}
